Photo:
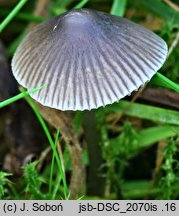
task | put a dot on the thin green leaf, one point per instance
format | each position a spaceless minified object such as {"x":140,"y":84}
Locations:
{"x":12,"y":14}
{"x":19,"y":96}
{"x":134,"y":140}
{"x":81,"y":4}
{"x":145,"y":112}
{"x":161,"y":80}
{"x":161,"y":9}
{"x":118,"y":7}
{"x":152,"y":135}
{"x":22,"y":16}
{"x":53,"y":161}
{"x":56,"y":187}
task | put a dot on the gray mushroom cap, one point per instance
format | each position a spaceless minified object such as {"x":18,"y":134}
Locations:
{"x":87,"y":59}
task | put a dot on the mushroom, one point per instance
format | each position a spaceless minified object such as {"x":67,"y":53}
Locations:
{"x":86,"y":59}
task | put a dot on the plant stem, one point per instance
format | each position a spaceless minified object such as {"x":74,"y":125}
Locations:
{"x":12,"y":14}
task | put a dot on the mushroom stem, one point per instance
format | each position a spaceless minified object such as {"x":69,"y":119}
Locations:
{"x":62,"y":120}
{"x":78,"y":173}
{"x":95,"y":181}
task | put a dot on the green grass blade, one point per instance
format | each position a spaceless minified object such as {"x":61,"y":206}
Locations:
{"x":155,"y":134}
{"x":29,"y":17}
{"x":150,"y":113}
{"x":53,"y":160}
{"x":161,"y":80}
{"x":19,"y":96}
{"x":81,"y":4}
{"x":118,"y":7}
{"x":12,"y":14}
{"x":130,"y":141}
{"x":56,"y":186}
{"x":52,"y":144}
{"x":22,"y":16}
{"x":163,"y":10}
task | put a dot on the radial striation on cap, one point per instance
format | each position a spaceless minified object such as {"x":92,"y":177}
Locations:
{"x":87,"y":59}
